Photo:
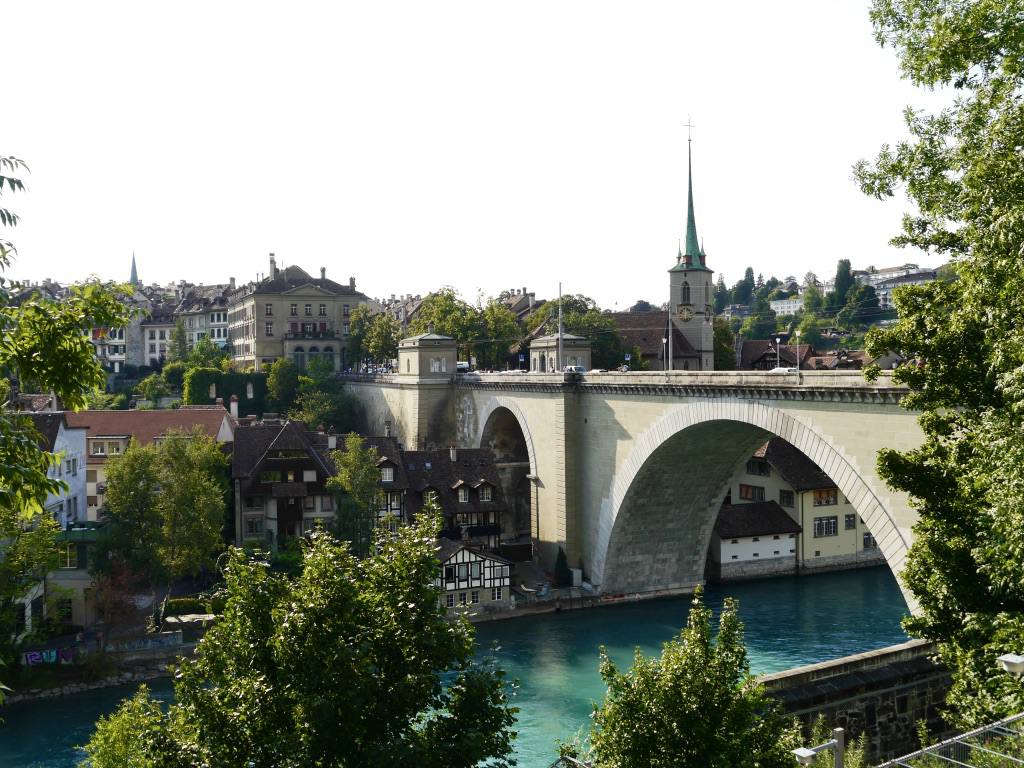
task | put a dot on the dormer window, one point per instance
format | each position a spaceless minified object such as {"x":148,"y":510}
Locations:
{"x":430,"y":495}
{"x":463,"y":494}
{"x":485,"y":493}
{"x":387,"y":474}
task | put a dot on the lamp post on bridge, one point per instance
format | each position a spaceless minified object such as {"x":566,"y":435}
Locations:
{"x":778,"y":354}
{"x":664,"y":353}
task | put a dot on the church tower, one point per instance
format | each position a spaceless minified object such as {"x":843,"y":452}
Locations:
{"x":690,"y":288}
{"x":134,"y":279}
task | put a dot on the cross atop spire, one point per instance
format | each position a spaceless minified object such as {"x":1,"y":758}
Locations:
{"x":134,"y":279}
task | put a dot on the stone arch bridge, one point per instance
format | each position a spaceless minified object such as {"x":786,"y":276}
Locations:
{"x":627,"y":471}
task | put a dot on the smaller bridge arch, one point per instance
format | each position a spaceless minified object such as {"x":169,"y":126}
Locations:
{"x":654,"y":530}
{"x":503,"y":428}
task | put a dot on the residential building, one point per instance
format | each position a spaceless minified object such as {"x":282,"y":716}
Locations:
{"x":280,"y":471}
{"x":290,"y":314}
{"x":471,"y":579}
{"x":753,"y":540}
{"x":832,"y":534}
{"x":204,"y":314}
{"x":766,"y":354}
{"x":71,"y":582}
{"x":110,"y":432}
{"x":157,"y":330}
{"x":788,"y":306}
{"x":402,"y":308}
{"x":884,"y":288}
{"x":68,"y":444}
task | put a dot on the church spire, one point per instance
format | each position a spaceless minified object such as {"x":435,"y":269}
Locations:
{"x":134,"y":279}
{"x":693,"y":253}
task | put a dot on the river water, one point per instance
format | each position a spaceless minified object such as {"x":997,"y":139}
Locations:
{"x":789,"y":622}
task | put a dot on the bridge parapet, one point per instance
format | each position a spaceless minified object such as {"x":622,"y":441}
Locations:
{"x":841,"y":386}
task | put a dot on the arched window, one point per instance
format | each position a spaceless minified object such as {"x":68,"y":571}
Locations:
{"x":707,"y":293}
{"x":328,"y":356}
{"x":299,"y":358}
{"x":313,"y":353}
{"x":685,"y":299}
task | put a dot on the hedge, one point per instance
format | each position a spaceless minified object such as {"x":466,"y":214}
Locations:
{"x":200,"y":382}
{"x":177,"y":606}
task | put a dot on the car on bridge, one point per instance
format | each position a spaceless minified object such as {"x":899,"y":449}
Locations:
{"x":574,"y":369}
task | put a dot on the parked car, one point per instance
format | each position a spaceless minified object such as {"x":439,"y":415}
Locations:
{"x":574,"y":369}
{"x":462,"y":367}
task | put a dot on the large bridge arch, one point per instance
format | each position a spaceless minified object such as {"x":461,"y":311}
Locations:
{"x":654,"y":529}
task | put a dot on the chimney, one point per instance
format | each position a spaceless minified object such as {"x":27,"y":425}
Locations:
{"x":273,"y":267}
{"x":332,"y":440}
{"x":323,"y":273}
{"x":231,"y":283}
{"x":320,"y":429}
{"x":387,"y":429}
{"x":524,"y":290}
{"x":219,"y":401}
{"x":453,"y":453}
{"x":234,"y":406}
{"x":351,"y":282}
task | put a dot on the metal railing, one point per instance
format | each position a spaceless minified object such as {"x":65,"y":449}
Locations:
{"x":999,"y":744}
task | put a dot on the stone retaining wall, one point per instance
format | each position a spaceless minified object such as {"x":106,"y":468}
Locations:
{"x":883,"y":693}
{"x":752,"y":569}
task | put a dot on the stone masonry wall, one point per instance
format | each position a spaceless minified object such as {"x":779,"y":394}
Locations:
{"x":883,"y":693}
{"x":752,"y":569}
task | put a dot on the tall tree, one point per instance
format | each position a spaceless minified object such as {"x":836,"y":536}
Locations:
{"x":446,"y":312}
{"x":697,"y":706}
{"x":844,"y":281}
{"x":725,"y":353}
{"x":382,"y":338}
{"x":357,"y":485}
{"x":47,"y":343}
{"x":721,"y":294}
{"x":283,"y":382}
{"x":501,"y":330}
{"x":358,"y":326}
{"x":205,"y":354}
{"x":962,"y":170}
{"x":177,"y":346}
{"x":353,"y":663}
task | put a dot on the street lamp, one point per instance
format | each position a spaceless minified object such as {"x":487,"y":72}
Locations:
{"x":805,"y":755}
{"x":1012,"y":664}
{"x":778,"y":358}
{"x":664,"y":352}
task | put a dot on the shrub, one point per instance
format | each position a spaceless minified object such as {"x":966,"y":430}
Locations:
{"x":181,"y":605}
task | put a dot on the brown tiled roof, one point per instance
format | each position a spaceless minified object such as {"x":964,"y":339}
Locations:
{"x":437,"y":471}
{"x":146,"y":426}
{"x":761,"y":518}
{"x":446,"y":549}
{"x":796,"y":469}
{"x":296,"y":277}
{"x":645,"y":330}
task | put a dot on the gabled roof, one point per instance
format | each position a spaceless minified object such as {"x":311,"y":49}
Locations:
{"x":795,"y":468}
{"x":253,"y":444}
{"x":471,"y":466}
{"x":754,"y":351}
{"x":447,"y":549}
{"x":294,"y":277}
{"x":761,"y":518}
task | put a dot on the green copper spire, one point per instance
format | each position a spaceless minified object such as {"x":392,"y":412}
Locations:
{"x":693,"y":252}
{"x":134,"y":279}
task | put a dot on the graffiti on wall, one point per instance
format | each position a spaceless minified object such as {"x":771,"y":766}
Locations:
{"x":66,"y":655}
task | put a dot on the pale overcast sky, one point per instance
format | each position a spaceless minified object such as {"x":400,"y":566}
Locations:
{"x":479,"y":144}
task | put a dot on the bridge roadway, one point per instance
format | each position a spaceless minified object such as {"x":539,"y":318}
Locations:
{"x":626,"y":471}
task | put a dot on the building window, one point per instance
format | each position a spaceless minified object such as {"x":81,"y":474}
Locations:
{"x":786,"y":498}
{"x":344,"y":330}
{"x":270,"y":476}
{"x":269,"y":329}
{"x":344,"y":310}
{"x":254,"y":526}
{"x":474,"y":570}
{"x":685,"y":293}
{"x":751,"y":492}
{"x":474,"y":597}
{"x":269,"y":310}
{"x":851,"y":522}
{"x":826,"y":526}
{"x":307,"y":310}
{"x":308,"y":503}
{"x":825,"y":497}
{"x":152,"y":349}
{"x":759,"y":467}
{"x":462,"y":598}
{"x":113,"y":448}
{"x":438,"y":365}
{"x":323,"y":310}
{"x":293,"y":310}
{"x":430,"y":496}
{"x":163,"y":335}
{"x":869,"y":541}
{"x":485,"y":493}
{"x":67,"y":556}
{"x":495,"y":593}
{"x":463,"y":494}
{"x":327,"y":503}
{"x":450,"y":599}
{"x":152,"y":334}
{"x":387,"y":474}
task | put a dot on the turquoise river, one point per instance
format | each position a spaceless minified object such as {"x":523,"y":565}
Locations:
{"x":789,"y":622}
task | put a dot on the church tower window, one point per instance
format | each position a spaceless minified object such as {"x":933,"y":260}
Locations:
{"x":685,"y":293}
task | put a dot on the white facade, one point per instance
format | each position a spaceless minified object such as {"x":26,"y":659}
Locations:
{"x":472,"y":579}
{"x":786,"y":306}
{"x":70,"y":506}
{"x":751,"y":548}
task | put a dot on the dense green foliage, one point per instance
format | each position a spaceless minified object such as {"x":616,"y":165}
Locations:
{"x":725,"y":354}
{"x":445,"y":312}
{"x":45,"y":344}
{"x":563,"y":576}
{"x":282,"y":383}
{"x":321,"y":400}
{"x":341,"y":666}
{"x":166,"y":504}
{"x":697,"y":706}
{"x":195,"y":389}
{"x":381,"y":341}
{"x":357,"y":486}
{"x":962,"y":170}
{"x":582,"y":317}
